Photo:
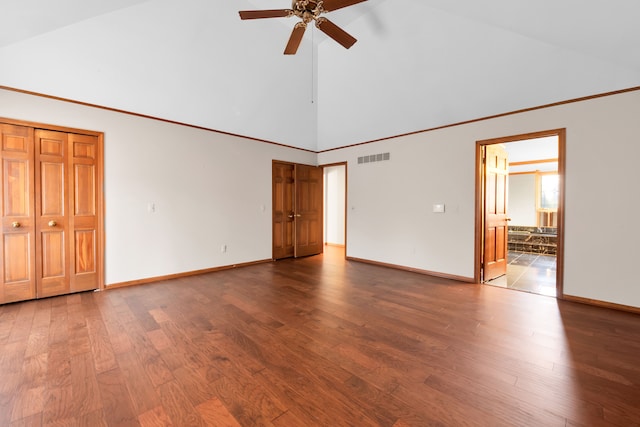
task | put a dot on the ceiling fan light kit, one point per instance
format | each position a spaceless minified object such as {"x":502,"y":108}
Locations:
{"x":308,"y":11}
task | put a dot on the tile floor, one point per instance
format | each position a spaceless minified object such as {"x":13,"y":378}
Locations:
{"x":529,"y":272}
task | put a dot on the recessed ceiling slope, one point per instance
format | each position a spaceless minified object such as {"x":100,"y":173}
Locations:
{"x":437,"y":67}
{"x":28,"y":18}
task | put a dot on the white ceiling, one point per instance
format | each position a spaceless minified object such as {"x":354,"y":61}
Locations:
{"x":418,"y":64}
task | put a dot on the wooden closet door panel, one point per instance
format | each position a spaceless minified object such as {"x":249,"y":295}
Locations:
{"x":84,"y":182}
{"x":52,"y":222}
{"x":17,"y":249}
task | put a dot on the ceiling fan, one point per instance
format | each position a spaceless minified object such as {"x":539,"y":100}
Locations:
{"x":308,"y":10}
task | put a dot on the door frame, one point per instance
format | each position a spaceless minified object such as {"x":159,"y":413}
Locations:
{"x":100,"y":232}
{"x":346,"y":189}
{"x":479,"y":215}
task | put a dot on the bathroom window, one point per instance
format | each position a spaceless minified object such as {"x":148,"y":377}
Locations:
{"x":549,"y":184}
{"x":547,"y":200}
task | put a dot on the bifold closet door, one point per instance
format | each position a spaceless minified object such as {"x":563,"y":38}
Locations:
{"x":66,"y":211}
{"x":52,"y":224}
{"x":50,"y":205}
{"x":18,"y":246}
{"x":84,"y":212}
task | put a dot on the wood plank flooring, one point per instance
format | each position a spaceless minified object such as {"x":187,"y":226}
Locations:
{"x":316,"y":342}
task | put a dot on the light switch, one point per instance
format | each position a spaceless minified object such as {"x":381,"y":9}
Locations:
{"x":438,"y":208}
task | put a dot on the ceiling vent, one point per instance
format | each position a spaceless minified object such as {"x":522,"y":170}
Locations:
{"x":374,"y":158}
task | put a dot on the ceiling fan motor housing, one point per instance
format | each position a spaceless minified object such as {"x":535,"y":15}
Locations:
{"x":307,"y":10}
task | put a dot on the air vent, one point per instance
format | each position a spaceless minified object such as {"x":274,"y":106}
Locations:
{"x":374,"y":158}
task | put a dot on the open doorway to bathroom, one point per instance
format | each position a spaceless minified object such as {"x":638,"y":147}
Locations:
{"x":520,"y":209}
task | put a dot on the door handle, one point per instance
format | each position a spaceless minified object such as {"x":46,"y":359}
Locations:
{"x":52,"y":223}
{"x":290,"y":215}
{"x":298,"y":215}
{"x":507,"y":219}
{"x":15,"y":224}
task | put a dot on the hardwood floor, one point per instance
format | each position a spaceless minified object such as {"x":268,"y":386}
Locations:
{"x":316,"y":342}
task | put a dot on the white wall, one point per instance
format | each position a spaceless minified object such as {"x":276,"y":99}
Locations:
{"x":522,"y":200}
{"x":209,"y":189}
{"x":334,"y":203}
{"x":389,"y":203}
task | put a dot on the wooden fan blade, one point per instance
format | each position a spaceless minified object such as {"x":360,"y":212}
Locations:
{"x":295,"y":39}
{"x":259,"y":14}
{"x":335,"y":32}
{"x":330,"y":5}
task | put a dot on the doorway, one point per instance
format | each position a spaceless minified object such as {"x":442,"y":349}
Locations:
{"x":297,"y":217}
{"x":519,"y":212}
{"x":335,"y":199}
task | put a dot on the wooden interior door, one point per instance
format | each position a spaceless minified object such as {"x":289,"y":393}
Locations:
{"x":297,"y":210}
{"x":67,"y":212}
{"x":18,"y":246}
{"x":309,"y":213}
{"x":51,"y":207}
{"x":496,"y":175}
{"x":283,"y":194}
{"x":52,"y":228}
{"x":84,"y":212}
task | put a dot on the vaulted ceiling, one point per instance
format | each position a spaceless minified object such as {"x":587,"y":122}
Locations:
{"x":418,"y":64}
